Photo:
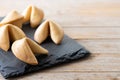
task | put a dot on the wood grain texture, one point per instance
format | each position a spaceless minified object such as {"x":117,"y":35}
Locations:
{"x":70,"y":76}
{"x":93,"y":23}
{"x":93,"y":33}
{"x":73,"y":76}
{"x":102,"y":46}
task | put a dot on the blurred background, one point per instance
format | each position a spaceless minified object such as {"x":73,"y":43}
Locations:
{"x":83,"y":12}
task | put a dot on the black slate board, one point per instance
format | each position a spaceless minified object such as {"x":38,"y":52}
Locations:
{"x":67,"y":51}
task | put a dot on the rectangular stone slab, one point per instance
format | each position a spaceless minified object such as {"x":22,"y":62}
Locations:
{"x":67,"y":51}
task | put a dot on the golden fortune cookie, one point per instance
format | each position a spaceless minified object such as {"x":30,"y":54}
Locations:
{"x":24,"y":49}
{"x":34,"y":15}
{"x":13,"y":18}
{"x":47,"y":28}
{"x":9,"y":33}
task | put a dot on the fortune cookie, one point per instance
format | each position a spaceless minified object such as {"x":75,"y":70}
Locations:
{"x":47,"y":28}
{"x":9,"y":33}
{"x":24,"y":49}
{"x":13,"y":18}
{"x":34,"y":15}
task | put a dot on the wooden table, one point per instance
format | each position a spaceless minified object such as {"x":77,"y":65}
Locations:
{"x":93,"y":23}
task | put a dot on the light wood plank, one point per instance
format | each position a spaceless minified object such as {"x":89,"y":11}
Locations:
{"x":101,"y":46}
{"x":72,"y":13}
{"x":93,"y":33}
{"x":71,"y":76}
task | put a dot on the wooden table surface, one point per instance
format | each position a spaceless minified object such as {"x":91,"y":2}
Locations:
{"x":93,"y":23}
